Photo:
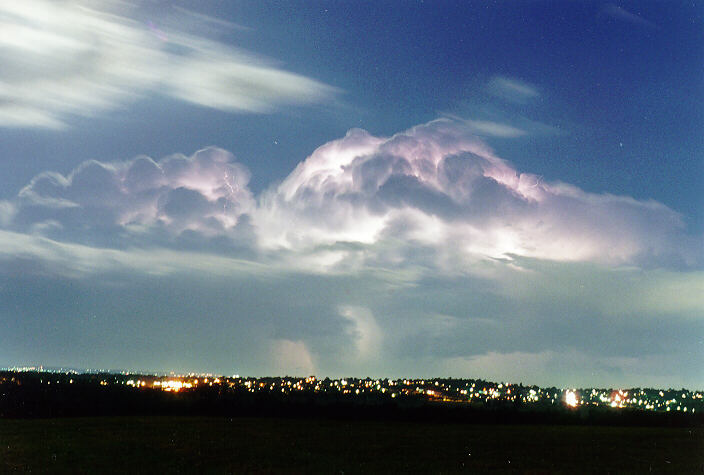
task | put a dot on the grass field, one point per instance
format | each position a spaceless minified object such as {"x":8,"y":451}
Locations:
{"x":222,"y":445}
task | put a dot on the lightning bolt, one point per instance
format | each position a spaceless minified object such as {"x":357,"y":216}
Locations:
{"x":226,"y":179}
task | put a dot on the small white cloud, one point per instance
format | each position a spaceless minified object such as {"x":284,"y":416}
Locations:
{"x":512,"y":89}
{"x":495,"y":129}
{"x":504,"y":126}
{"x":622,"y":14}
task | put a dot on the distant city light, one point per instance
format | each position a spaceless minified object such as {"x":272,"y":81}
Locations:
{"x":474,"y":392}
{"x":571,"y":398}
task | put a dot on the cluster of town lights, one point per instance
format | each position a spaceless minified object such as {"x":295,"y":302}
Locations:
{"x":444,"y":390}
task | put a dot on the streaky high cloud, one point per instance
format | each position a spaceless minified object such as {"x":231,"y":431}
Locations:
{"x":79,"y":58}
{"x":622,"y":14}
{"x":512,"y":89}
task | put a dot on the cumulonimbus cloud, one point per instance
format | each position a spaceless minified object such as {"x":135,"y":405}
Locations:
{"x":206,"y":192}
{"x":439,"y":186}
{"x":71,"y":58}
{"x":423,"y":252}
{"x":436,"y":187}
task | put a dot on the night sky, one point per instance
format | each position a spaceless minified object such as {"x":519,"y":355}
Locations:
{"x":503,"y":190}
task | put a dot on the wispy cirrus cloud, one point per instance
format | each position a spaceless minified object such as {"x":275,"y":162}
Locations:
{"x":500,"y":108}
{"x":512,"y":89}
{"x":495,"y":129}
{"x":622,"y":14}
{"x":211,"y":19}
{"x":79,"y":58}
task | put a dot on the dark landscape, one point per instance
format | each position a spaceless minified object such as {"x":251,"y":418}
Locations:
{"x":107,"y":422}
{"x":190,"y":444}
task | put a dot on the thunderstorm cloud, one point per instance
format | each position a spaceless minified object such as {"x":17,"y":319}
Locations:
{"x":419,"y":253}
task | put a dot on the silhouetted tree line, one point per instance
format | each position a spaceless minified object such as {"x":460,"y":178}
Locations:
{"x":31,"y":397}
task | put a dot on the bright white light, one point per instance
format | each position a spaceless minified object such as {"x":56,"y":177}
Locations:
{"x":571,"y":398}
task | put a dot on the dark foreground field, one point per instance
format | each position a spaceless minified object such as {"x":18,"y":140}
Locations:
{"x":223,"y":445}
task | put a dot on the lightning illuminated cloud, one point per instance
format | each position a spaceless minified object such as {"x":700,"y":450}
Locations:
{"x":435,"y":187}
{"x":439,"y":186}
{"x":424,"y":249}
{"x":206,"y":193}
